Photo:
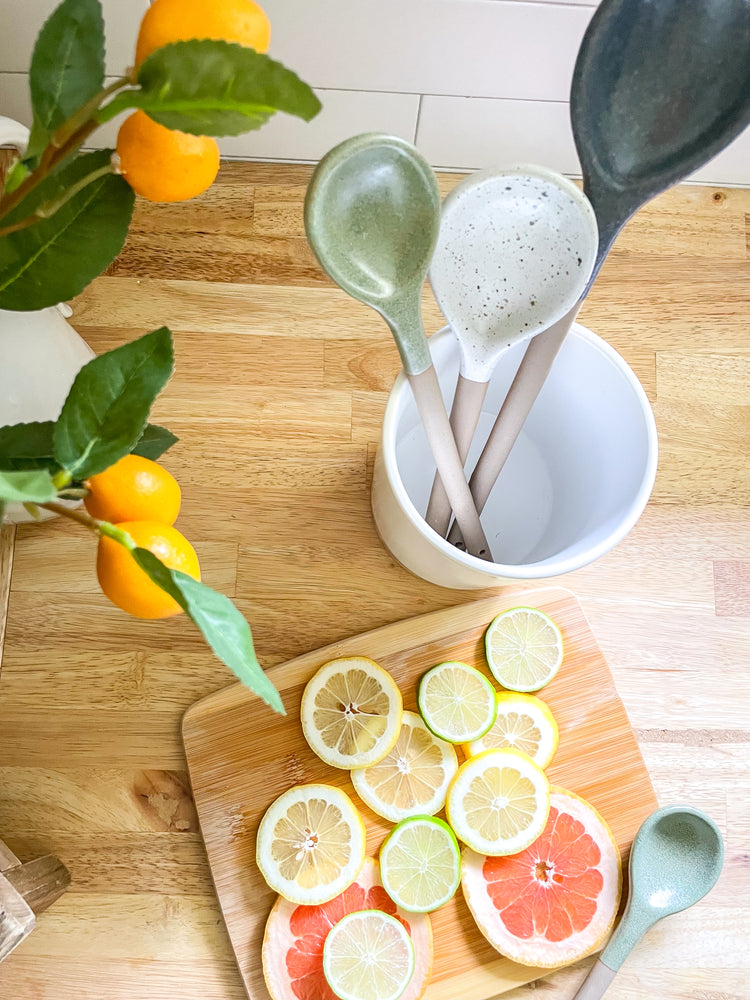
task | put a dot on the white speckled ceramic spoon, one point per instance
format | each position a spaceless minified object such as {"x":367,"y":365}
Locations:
{"x":515,"y":251}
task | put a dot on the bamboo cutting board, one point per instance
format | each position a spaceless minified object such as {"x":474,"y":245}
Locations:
{"x":241,"y":756}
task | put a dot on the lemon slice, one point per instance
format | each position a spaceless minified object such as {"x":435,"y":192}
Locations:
{"x":311,"y":844}
{"x":368,"y":955}
{"x":351,"y":712}
{"x":523,"y":723}
{"x":420,"y":864}
{"x":457,"y":702}
{"x":498,"y":802}
{"x":412,"y":778}
{"x":524,"y":649}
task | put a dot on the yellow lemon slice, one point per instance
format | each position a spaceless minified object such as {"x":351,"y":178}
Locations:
{"x":368,"y":955}
{"x":524,"y":723}
{"x":412,"y":778}
{"x":351,"y":712}
{"x":498,"y":802}
{"x":524,"y":649}
{"x":311,"y":844}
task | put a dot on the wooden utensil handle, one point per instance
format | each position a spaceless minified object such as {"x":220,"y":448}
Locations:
{"x":465,"y":413}
{"x":596,"y":983}
{"x":426,"y":389}
{"x":529,"y":379}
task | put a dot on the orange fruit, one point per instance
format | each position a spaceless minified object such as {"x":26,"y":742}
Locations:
{"x":556,"y":901}
{"x":127,"y":585}
{"x":134,"y":489}
{"x":240,"y":21}
{"x":162,"y":164}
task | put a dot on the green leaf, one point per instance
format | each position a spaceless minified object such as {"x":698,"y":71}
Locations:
{"x":54,"y":259}
{"x":222,"y":625}
{"x":154,"y":441}
{"x":215,"y":88}
{"x":67,"y":67}
{"x":27,"y":446}
{"x":34,"y":486}
{"x":109,"y":402}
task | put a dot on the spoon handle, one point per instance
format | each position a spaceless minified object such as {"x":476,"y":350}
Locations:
{"x":429,"y":400}
{"x":597,"y":981}
{"x":528,"y":381}
{"x":465,"y":413}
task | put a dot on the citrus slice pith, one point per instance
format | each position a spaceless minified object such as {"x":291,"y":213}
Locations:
{"x":412,"y":778}
{"x":556,"y":901}
{"x":456,"y":701}
{"x":295,"y":935}
{"x":351,"y":712}
{"x":311,"y":843}
{"x":523,"y":648}
{"x":524,"y":723}
{"x":368,"y":955}
{"x":420,"y":864}
{"x":498,"y":802}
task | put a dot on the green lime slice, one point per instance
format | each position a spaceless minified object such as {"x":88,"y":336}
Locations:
{"x":420,"y":864}
{"x":457,"y":702}
{"x":524,"y":649}
{"x":368,"y":955}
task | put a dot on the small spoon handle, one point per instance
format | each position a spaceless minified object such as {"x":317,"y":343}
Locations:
{"x":465,"y":413}
{"x":429,"y":400}
{"x":596,"y":983}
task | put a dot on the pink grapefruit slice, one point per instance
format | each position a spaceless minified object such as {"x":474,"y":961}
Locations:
{"x":295,"y":935}
{"x":556,"y":901}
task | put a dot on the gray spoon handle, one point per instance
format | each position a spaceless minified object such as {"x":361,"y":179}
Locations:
{"x":465,"y":413}
{"x":529,"y":379}
{"x":596,"y":983}
{"x":429,"y":400}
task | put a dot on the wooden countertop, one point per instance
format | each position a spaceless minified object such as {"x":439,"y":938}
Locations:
{"x":279,"y":392}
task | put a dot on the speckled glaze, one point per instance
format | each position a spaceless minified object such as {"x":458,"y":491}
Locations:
{"x":675,"y":860}
{"x":515,"y":252}
{"x":658,"y":89}
{"x":372,"y":213}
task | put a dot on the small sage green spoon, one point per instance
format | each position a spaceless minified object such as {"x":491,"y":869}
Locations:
{"x":372,"y":214}
{"x":675,"y":860}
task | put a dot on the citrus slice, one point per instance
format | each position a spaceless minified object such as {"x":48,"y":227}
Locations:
{"x":294,"y":938}
{"x":456,"y":701}
{"x":556,"y":901}
{"x":420,"y":864}
{"x":498,"y":802}
{"x":524,"y":649}
{"x":523,"y":723}
{"x":368,"y":955}
{"x":351,"y":712}
{"x":412,"y":778}
{"x":311,"y":843}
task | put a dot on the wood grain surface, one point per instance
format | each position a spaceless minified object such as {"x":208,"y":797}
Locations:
{"x":278,"y":396}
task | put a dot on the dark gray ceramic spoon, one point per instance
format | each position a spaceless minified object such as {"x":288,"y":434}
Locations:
{"x":659,"y":88}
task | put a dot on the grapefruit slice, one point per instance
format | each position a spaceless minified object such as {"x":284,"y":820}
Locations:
{"x":556,"y":901}
{"x":295,"y":935}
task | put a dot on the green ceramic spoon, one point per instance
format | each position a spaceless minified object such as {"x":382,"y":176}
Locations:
{"x":372,"y":215}
{"x":675,"y":860}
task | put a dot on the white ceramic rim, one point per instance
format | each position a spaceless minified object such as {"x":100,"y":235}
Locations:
{"x":548,"y":568}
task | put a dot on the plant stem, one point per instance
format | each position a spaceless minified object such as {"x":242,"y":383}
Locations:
{"x":87,"y":111}
{"x":74,"y":515}
{"x":48,"y":208}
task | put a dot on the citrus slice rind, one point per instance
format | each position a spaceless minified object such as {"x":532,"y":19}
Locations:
{"x":523,"y":722}
{"x":295,"y":935}
{"x":555,"y":902}
{"x":456,"y":701}
{"x":420,"y":864}
{"x":368,"y":955}
{"x":523,"y":648}
{"x":311,"y":843}
{"x":351,"y":712}
{"x":498,"y":802}
{"x":412,"y":778}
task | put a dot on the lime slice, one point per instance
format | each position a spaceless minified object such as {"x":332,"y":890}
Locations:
{"x":523,"y":723}
{"x":498,"y":802}
{"x":311,"y":844}
{"x":412,"y":778}
{"x":351,"y":712}
{"x":524,"y":649}
{"x":420,"y":864}
{"x":457,"y":702}
{"x":368,"y":955}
